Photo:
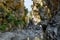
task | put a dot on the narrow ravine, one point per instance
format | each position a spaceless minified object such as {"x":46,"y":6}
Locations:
{"x":41,"y":20}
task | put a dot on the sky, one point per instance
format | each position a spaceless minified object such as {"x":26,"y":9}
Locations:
{"x":28,"y":4}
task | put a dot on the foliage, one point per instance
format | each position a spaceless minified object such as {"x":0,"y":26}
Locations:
{"x":3,"y":27}
{"x":17,"y":22}
{"x":11,"y":19}
{"x":8,"y":14}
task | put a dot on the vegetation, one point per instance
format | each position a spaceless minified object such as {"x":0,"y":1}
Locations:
{"x":8,"y":13}
{"x":8,"y":18}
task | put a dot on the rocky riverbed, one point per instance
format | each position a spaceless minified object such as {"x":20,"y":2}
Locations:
{"x":27,"y":34}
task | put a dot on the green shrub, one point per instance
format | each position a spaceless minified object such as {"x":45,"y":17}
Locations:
{"x":3,"y":27}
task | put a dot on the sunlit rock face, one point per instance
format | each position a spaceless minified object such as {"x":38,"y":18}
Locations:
{"x":38,"y":1}
{"x":35,"y":13}
{"x":35,"y":8}
{"x":36,"y":19}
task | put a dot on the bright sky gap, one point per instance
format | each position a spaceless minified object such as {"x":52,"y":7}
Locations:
{"x":28,"y":4}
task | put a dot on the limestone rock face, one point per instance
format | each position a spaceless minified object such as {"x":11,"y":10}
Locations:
{"x":50,"y":14}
